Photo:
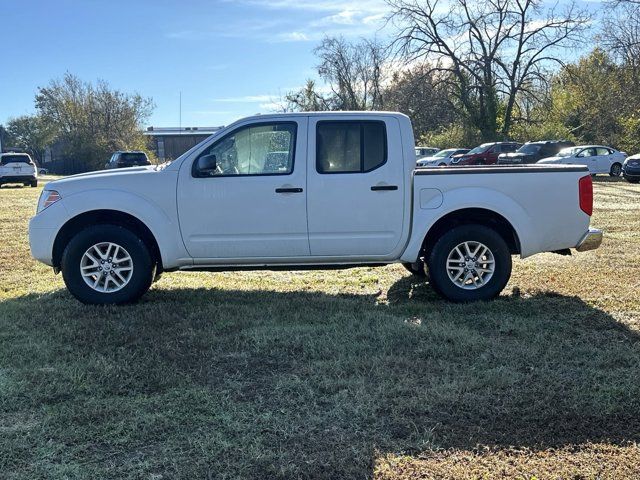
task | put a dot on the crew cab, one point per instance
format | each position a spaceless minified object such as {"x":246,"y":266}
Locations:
{"x":18,"y":168}
{"x":308,"y":190}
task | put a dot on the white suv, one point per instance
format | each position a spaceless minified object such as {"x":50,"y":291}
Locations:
{"x":18,"y":168}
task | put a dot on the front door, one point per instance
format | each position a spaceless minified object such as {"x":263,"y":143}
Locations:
{"x":356,"y":186}
{"x":247,"y":198}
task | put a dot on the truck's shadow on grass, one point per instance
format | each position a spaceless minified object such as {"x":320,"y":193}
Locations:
{"x":192,"y":382}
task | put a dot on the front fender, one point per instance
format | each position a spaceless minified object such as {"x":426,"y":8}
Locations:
{"x":161,"y":219}
{"x":469,"y":197}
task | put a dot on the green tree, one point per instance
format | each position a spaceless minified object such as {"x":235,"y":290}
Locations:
{"x":91,"y":121}
{"x":32,"y":133}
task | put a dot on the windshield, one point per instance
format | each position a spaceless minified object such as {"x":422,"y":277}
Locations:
{"x":481,"y":148}
{"x":444,"y":153}
{"x":567,"y":152}
{"x":133,"y":157}
{"x":529,"y":148}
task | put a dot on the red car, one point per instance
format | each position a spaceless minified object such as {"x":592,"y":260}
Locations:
{"x":485,"y":154}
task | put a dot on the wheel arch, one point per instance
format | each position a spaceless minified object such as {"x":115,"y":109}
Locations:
{"x":105,"y":216}
{"x":467,"y":216}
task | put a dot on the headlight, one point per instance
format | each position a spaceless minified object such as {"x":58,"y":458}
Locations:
{"x":47,"y":198}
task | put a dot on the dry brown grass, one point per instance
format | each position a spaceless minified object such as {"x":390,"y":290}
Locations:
{"x":351,"y":374}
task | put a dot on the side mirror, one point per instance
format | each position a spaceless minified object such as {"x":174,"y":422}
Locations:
{"x":206,"y":165}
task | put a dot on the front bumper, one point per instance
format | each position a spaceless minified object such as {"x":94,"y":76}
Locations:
{"x":590,"y":240}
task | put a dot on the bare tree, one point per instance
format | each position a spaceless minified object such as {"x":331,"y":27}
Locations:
{"x":415,"y":92}
{"x":621,"y":31}
{"x":354,"y":73}
{"x":490,"y":54}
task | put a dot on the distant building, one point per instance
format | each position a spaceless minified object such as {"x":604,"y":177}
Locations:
{"x":169,"y":143}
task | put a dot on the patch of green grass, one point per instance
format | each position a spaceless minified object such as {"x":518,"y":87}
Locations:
{"x":328,"y":374}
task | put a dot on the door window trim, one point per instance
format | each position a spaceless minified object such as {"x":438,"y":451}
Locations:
{"x":361,"y":123}
{"x":239,"y":129}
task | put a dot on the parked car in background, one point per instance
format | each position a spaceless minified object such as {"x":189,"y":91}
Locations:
{"x":18,"y":168}
{"x":442,"y":158}
{"x":631,"y":168}
{"x":43,"y":171}
{"x":598,"y":158}
{"x":426,"y":151}
{"x":352,"y":197}
{"x":485,"y":154}
{"x":531,"y":152}
{"x":123,"y":159}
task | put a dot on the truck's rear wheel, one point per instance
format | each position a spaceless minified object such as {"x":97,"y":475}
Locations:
{"x":107,"y":264}
{"x":469,"y":263}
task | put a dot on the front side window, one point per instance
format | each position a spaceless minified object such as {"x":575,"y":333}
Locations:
{"x":530,"y":148}
{"x":480,"y":149}
{"x":350,"y":146}
{"x":587,"y":152}
{"x":259,"y":149}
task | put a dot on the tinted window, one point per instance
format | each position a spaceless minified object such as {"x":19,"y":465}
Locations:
{"x":133,"y":158}
{"x":481,"y":148}
{"x":15,"y":159}
{"x":530,"y":148}
{"x":509,"y":147}
{"x":350,"y":147}
{"x":264,"y":149}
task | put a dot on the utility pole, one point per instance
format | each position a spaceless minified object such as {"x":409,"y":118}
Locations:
{"x":180,"y":114}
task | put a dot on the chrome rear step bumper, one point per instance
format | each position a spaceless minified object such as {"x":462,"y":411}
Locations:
{"x":590,"y":241}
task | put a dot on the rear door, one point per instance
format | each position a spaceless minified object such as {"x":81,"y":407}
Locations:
{"x":355,"y":179}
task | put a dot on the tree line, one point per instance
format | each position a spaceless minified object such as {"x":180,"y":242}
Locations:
{"x":468,"y":72}
{"x":87,"y":122}
{"x":464,"y":71}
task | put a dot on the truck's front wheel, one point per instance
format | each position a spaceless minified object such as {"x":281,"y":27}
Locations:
{"x":469,"y":263}
{"x":107,"y":264}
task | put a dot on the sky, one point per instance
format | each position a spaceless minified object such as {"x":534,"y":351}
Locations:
{"x":229,"y":58}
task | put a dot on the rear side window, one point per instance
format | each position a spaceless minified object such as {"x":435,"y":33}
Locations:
{"x":350,"y":146}
{"x":603,"y":151}
{"x":15,"y":159}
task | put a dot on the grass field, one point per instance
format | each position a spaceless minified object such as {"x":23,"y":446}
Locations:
{"x":354,"y":374}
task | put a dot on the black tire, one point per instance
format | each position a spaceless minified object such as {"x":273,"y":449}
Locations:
{"x":437,"y":263}
{"x":442,"y":164}
{"x":416,"y":268}
{"x":616,"y":170}
{"x":34,"y":183}
{"x":141,"y":275}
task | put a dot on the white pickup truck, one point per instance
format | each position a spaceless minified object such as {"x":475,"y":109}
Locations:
{"x":300,"y":191}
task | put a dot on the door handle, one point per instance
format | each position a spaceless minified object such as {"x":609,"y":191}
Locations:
{"x":288,"y":190}
{"x":377,"y":188}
